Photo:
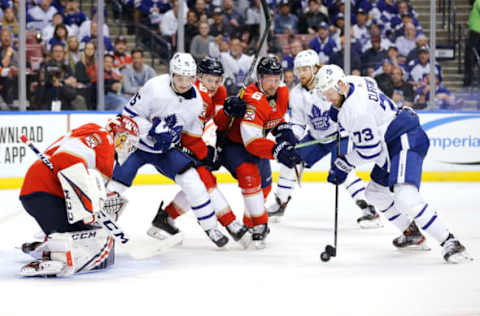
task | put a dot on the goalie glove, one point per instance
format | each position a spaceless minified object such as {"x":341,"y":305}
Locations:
{"x":114,"y":205}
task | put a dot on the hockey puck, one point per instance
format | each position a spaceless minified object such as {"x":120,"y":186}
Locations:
{"x":325,"y":256}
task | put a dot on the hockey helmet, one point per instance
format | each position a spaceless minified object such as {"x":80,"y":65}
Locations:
{"x":183,"y":64}
{"x":125,"y":134}
{"x":328,"y":77}
{"x":306,"y":58}
{"x":210,"y":66}
{"x":269,"y":65}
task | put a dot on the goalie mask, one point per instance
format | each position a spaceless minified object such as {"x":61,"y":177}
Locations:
{"x":125,"y":133}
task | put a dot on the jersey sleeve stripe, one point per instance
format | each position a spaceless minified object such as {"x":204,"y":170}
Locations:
{"x":367,"y":157}
{"x":133,"y":114}
{"x":146,"y":145}
{"x":367,"y":146}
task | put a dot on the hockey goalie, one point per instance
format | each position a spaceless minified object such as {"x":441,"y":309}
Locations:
{"x":64,"y":201}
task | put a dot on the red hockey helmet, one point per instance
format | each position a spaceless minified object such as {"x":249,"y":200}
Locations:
{"x":125,"y":133}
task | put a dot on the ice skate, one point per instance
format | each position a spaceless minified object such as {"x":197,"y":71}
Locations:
{"x":454,"y":251}
{"x":277,"y":210}
{"x":42,"y":268}
{"x":240,"y":233}
{"x":411,"y":238}
{"x":217,"y":237}
{"x":30,"y":247}
{"x":162,"y":223}
{"x":370,"y":218}
{"x":260,"y":232}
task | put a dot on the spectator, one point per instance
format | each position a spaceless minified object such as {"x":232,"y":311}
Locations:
{"x":85,"y":73}
{"x":232,"y":18}
{"x":85,"y":28}
{"x":421,"y":41}
{"x":375,"y":30}
{"x":403,"y":93}
{"x":60,"y":36}
{"x":8,"y":68}
{"x":473,"y":41}
{"x":122,"y":59}
{"x":201,"y":8}
{"x":136,"y":74}
{"x":285,"y":22}
{"x":93,"y":37}
{"x":296,"y":47}
{"x":40,"y":15}
{"x":73,"y":51}
{"x":312,"y":18}
{"x":219,"y":27}
{"x":290,"y":79}
{"x":9,"y":21}
{"x":407,"y":19}
{"x":421,"y":66}
{"x":253,"y":13}
{"x":443,"y":97}
{"x":73,"y":15}
{"x":49,"y":30}
{"x":323,"y":44}
{"x":404,"y":9}
{"x":406,"y":42}
{"x":383,"y":12}
{"x":373,"y":56}
{"x":384,"y":79}
{"x":397,"y":60}
{"x":360,"y":29}
{"x":191,"y":29}
{"x":169,"y":23}
{"x":152,"y":12}
{"x":355,"y":60}
{"x":236,"y":65}
{"x":57,"y":83}
{"x":201,"y":43}
{"x":114,"y":100}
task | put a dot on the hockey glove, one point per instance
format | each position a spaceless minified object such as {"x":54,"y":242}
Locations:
{"x":283,"y":133}
{"x":333,"y":114}
{"x":286,"y":154}
{"x":339,"y":170}
{"x":234,"y":107}
{"x":211,"y":160}
{"x":165,"y":137}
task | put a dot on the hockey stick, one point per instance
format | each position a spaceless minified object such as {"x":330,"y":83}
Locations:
{"x":325,"y":140}
{"x":329,"y":250}
{"x":248,"y":76}
{"x":134,"y":249}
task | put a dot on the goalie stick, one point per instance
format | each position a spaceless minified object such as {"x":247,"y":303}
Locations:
{"x":136,"y":249}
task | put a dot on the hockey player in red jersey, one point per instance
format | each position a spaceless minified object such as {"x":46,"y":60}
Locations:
{"x":72,"y":244}
{"x":209,"y":84}
{"x":246,"y":150}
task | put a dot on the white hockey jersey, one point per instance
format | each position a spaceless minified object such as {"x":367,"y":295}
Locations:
{"x":309,"y":113}
{"x":156,"y":99}
{"x":365,"y":115}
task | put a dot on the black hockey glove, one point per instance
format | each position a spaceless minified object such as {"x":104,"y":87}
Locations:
{"x":283,"y":133}
{"x":234,"y":107}
{"x":211,"y":160}
{"x":286,"y":154}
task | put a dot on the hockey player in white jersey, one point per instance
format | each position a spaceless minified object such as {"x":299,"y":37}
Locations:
{"x":394,"y":140}
{"x":168,"y":109}
{"x":310,"y":121}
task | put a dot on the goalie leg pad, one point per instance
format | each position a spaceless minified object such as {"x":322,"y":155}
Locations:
{"x":49,"y":212}
{"x":83,"y":192}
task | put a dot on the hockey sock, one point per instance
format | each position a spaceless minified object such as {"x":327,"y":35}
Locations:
{"x":198,"y":198}
{"x":286,"y":183}
{"x":396,"y":217}
{"x":355,"y":187}
{"x":178,"y":206}
{"x":222,"y":209}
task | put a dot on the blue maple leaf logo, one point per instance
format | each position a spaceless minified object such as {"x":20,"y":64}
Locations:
{"x":319,"y":119}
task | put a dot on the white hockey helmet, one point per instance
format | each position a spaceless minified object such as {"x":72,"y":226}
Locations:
{"x":328,"y":77}
{"x":306,"y":58}
{"x":183,"y":64}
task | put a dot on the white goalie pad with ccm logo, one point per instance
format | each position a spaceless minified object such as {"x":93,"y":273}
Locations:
{"x":84,"y":193}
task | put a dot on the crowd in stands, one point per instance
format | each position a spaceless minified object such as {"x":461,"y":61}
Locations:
{"x":387,"y":43}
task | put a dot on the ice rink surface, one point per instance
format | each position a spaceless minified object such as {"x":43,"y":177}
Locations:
{"x":368,"y":276}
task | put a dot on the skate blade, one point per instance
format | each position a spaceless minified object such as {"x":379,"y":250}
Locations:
{"x":157,"y":233}
{"x":274,"y":219}
{"x":420,"y":247}
{"x":246,"y":240}
{"x":372,"y":224}
{"x":259,"y":244}
{"x":458,"y":258}
{"x":52,"y":269}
